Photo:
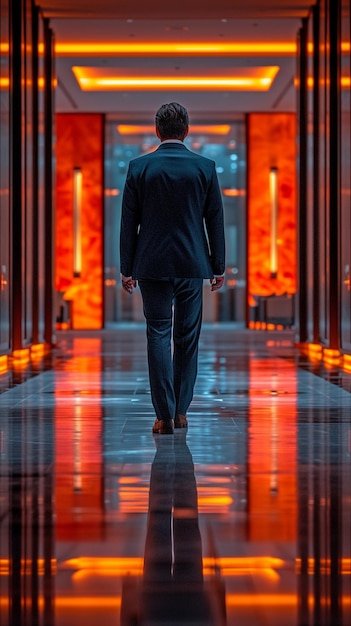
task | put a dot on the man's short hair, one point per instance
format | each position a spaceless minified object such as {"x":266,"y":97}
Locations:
{"x":172,"y":121}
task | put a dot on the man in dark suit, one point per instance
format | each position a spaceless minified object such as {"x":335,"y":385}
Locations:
{"x":172,"y":237}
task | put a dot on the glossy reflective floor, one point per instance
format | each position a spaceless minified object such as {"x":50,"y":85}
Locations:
{"x":243,"y":520}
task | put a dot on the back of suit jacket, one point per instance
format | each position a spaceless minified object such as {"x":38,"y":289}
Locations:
{"x":172,"y":216}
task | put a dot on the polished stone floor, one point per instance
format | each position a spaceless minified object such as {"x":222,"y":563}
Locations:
{"x":243,"y":520}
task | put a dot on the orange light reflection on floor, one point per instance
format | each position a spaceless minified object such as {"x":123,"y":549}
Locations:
{"x":331,"y":357}
{"x":207,"y":502}
{"x":272,"y":462}
{"x":78,"y":421}
{"x":134,"y":497}
{"x":21,"y":356}
{"x":232,"y":600}
{"x":347,"y":362}
{"x":234,"y":193}
{"x":38,"y":349}
{"x":121,"y":566}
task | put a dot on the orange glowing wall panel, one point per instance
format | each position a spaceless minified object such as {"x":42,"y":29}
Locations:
{"x":79,"y":143}
{"x":271,"y":142}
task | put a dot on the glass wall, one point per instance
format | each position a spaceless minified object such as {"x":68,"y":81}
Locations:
{"x":4,"y":180}
{"x":310,"y":100}
{"x":325,"y":208}
{"x":26,"y":129}
{"x":225,"y":144}
{"x":345,"y":182}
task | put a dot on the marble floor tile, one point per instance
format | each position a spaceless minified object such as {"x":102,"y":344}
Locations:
{"x":242,"y":520}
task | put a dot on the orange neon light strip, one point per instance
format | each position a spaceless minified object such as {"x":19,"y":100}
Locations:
{"x":176,"y":48}
{"x":26,"y":565}
{"x":210,"y":129}
{"x":324,"y":566}
{"x":191,"y":48}
{"x":5,"y":82}
{"x":248,"y":79}
{"x":279,"y":599}
{"x":345,"y":82}
{"x":345,"y":47}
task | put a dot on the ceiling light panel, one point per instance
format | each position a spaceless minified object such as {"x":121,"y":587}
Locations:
{"x":110,"y":79}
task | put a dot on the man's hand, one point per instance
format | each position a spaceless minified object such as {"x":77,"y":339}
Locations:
{"x":216,"y":282}
{"x":128,"y":283}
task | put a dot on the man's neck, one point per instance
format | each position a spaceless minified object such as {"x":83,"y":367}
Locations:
{"x":171,"y":141}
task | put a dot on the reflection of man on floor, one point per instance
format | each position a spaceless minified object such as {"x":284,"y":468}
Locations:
{"x":172,"y":591}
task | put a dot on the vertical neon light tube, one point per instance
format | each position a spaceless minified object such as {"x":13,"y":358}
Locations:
{"x":273,"y":188}
{"x":77,"y":227}
{"x":77,"y":448}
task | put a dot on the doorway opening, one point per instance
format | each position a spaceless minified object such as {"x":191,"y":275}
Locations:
{"x":223,"y":143}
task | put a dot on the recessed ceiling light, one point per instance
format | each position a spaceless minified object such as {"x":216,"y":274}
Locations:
{"x":111,"y":79}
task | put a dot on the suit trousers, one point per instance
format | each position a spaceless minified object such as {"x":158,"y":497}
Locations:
{"x":172,"y":304}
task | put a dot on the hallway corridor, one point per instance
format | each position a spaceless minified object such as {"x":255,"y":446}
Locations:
{"x":103,"y":523}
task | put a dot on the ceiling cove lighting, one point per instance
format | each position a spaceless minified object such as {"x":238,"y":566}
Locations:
{"x":200,"y":48}
{"x":107,"y":79}
{"x":345,"y":82}
{"x":5,"y":82}
{"x":207,"y":48}
{"x":210,"y":129}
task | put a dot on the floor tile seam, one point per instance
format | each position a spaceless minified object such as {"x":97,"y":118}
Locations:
{"x":34,"y":380}
{"x":322,"y":376}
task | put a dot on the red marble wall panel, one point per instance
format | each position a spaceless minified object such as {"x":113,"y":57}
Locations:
{"x":271,"y":143}
{"x":79,"y":143}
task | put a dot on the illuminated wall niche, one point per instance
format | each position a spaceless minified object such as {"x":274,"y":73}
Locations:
{"x":79,"y":149}
{"x":271,"y":149}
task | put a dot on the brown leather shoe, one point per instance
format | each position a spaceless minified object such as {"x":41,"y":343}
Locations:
{"x":163,"y":427}
{"x":180,"y":421}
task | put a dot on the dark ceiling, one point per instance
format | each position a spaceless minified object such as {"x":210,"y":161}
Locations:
{"x":242,"y":21}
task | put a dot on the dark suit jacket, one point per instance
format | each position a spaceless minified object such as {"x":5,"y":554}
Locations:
{"x":172,"y":216}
